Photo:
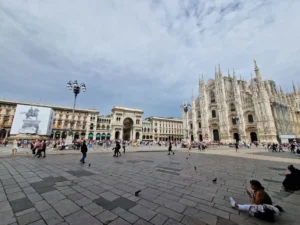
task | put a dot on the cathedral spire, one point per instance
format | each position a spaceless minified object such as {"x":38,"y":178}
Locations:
{"x":193,"y":94}
{"x":220,"y":72}
{"x":234,"y":75}
{"x":229,"y":74}
{"x":294,"y":88}
{"x":216,"y":74}
{"x":256,"y":69}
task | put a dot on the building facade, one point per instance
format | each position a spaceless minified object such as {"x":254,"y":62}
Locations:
{"x":230,"y":109}
{"x":83,"y":119}
{"x":164,"y":128}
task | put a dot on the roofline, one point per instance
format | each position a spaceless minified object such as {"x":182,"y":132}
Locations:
{"x":47,"y":105}
{"x":126,"y":108}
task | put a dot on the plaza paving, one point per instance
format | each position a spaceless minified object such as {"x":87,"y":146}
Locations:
{"x":174,"y":189}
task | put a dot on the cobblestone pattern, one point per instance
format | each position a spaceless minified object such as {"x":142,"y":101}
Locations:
{"x":174,"y":189}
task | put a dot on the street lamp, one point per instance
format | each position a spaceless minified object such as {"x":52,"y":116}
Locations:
{"x":76,"y":89}
{"x":185,"y":107}
{"x":236,"y":118}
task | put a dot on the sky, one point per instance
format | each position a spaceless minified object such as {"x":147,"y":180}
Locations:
{"x":145,"y":54}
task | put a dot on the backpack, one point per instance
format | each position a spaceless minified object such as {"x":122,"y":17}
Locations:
{"x":267,"y":215}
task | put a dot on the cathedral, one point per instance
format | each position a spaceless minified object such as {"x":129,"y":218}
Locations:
{"x":230,"y":109}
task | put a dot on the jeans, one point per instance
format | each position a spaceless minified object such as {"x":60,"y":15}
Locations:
{"x":83,"y":157}
{"x":244,"y":207}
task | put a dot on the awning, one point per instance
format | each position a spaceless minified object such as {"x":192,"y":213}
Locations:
{"x":91,"y":135}
{"x":57,"y":132}
{"x":108,"y":135}
{"x":98,"y":135}
{"x":103,"y":135}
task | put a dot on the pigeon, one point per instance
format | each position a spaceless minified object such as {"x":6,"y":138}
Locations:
{"x":195,"y":167}
{"x":137,"y":192}
{"x":214,"y":180}
{"x":189,"y":154}
{"x":187,"y":158}
{"x":89,"y":165}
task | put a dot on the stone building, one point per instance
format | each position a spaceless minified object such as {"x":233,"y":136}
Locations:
{"x":228,"y":108}
{"x":84,"y":119}
{"x":165,"y":128}
{"x":123,"y":123}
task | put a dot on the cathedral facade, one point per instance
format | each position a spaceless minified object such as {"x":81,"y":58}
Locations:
{"x":230,"y":109}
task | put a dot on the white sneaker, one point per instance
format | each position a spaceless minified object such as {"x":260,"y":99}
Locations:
{"x":232,"y":202}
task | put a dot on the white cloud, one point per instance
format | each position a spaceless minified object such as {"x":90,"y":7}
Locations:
{"x":145,"y":47}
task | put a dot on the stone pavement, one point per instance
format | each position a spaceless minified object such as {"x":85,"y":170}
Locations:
{"x":174,"y":189}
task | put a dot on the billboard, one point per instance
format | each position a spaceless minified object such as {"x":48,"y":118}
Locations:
{"x":32,"y":120}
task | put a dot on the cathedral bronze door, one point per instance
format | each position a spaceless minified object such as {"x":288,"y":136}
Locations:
{"x":253,"y":136}
{"x":236,"y":137}
{"x":216,"y":135}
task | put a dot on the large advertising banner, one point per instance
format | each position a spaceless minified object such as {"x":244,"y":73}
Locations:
{"x":32,"y":120}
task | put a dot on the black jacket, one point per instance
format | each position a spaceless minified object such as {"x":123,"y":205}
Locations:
{"x":84,"y":148}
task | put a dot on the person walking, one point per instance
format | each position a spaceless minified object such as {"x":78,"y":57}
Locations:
{"x":170,"y":148}
{"x":280,"y":148}
{"x":44,"y":148}
{"x":32,"y":147}
{"x":39,"y":147}
{"x":117,"y":149}
{"x":15,"y":147}
{"x":124,"y":146}
{"x":237,"y":147}
{"x":84,"y":150}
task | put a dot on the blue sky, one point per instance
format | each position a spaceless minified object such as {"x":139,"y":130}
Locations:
{"x":143,"y":54}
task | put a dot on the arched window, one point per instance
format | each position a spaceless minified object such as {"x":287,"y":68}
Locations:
{"x":199,"y":124}
{"x":213,"y":114}
{"x":191,"y":125}
{"x":148,"y":129}
{"x":137,"y":121}
{"x":91,"y":126}
{"x":234,"y":121}
{"x":107,"y":127}
{"x":199,"y":114}
{"x":232,"y":107}
{"x":103,"y":126}
{"x":250,"y":118}
{"x":212,"y":96}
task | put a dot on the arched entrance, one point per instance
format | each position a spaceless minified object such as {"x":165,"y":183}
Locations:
{"x":57,"y":134}
{"x":76,"y":136}
{"x":51,"y":136}
{"x":108,"y":136}
{"x":200,"y":137}
{"x":216,"y":135}
{"x":91,"y":136}
{"x":82,"y":135}
{"x":103,"y":136}
{"x":127,"y":127}
{"x":236,"y":137}
{"x":253,"y":136}
{"x":137,"y":135}
{"x":2,"y":133}
{"x":117,"y":135}
{"x":64,"y":135}
{"x":98,"y":136}
{"x":192,"y":137}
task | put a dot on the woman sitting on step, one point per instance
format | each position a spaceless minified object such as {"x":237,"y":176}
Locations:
{"x":261,"y":203}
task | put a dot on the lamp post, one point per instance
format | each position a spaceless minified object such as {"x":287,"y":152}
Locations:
{"x":185,"y":107}
{"x":236,"y":118}
{"x":76,"y":89}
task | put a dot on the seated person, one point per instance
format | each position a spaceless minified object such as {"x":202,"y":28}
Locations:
{"x":292,"y":180}
{"x":261,"y":203}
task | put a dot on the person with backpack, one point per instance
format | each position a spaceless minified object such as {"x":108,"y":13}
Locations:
{"x":170,"y":148}
{"x":84,"y":150}
{"x":261,"y":203}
